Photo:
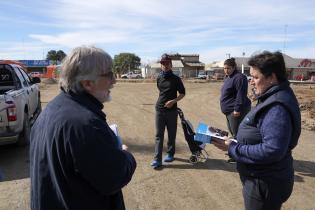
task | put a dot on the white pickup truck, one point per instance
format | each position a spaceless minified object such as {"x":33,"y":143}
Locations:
{"x":131,"y":75}
{"x":19,"y":104}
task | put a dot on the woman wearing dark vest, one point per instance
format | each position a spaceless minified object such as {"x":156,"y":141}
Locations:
{"x":266,"y":136}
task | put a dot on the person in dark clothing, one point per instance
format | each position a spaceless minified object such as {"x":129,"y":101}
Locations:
{"x":267,"y":136}
{"x":76,"y":160}
{"x":1,"y":176}
{"x":234,"y":101}
{"x":168,"y":85}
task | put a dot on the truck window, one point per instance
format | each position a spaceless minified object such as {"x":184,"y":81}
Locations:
{"x":6,"y":78}
{"x":19,"y":75}
{"x":27,"y":79}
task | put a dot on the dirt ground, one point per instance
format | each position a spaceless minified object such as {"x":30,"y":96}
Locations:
{"x":213,"y":184}
{"x":306,"y":97}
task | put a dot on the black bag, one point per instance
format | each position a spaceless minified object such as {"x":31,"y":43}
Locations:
{"x":189,"y":133}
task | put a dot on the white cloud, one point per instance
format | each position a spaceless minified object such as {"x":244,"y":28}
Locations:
{"x":80,"y":38}
{"x":23,"y":50}
{"x":149,"y":28}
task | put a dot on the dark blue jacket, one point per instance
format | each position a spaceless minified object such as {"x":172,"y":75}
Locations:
{"x":267,"y":135}
{"x":234,"y":93}
{"x":75,"y":159}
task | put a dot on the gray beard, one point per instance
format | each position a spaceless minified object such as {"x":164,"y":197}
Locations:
{"x":108,"y":99}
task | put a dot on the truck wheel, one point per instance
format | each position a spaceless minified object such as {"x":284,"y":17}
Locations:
{"x":24,"y":136}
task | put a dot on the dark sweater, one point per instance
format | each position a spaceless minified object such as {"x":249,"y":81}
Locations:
{"x":267,"y":135}
{"x":234,"y":93}
{"x":75,"y":158}
{"x":168,"y":84}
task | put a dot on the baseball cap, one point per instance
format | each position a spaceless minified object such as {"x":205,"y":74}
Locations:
{"x":165,"y":59}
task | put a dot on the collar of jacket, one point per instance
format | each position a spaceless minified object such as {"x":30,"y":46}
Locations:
{"x":233,"y":73}
{"x":273,"y":89}
{"x":166,"y":74}
{"x":88,"y":101}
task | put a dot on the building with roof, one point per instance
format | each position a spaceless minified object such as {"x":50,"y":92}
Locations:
{"x":35,"y":65}
{"x":183,"y":65}
{"x":297,"y":68}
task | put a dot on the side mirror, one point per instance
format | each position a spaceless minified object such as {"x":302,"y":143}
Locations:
{"x":35,"y":80}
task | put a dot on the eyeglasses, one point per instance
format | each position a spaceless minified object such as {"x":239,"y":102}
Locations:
{"x":109,"y":75}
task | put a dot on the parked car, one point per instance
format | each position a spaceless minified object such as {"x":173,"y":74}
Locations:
{"x":19,"y":104}
{"x":218,"y":76}
{"x":131,"y":75}
{"x":35,"y":74}
{"x":202,"y":75}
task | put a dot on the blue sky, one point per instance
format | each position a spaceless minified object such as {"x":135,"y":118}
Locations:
{"x":149,"y":28}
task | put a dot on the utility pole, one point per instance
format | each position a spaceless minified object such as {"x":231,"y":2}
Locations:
{"x":285,"y":37}
{"x":228,"y":55}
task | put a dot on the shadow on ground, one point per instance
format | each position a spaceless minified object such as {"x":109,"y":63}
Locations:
{"x":14,"y":162}
{"x":302,"y":168}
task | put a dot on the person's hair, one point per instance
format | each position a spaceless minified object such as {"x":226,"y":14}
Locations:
{"x":83,"y":63}
{"x":230,"y":62}
{"x":165,"y":58}
{"x":268,"y":63}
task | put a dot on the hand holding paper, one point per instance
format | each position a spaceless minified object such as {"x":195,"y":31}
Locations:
{"x":222,"y":145}
{"x":206,"y":134}
{"x":124,"y":147}
{"x":114,"y":128}
{"x":218,"y":131}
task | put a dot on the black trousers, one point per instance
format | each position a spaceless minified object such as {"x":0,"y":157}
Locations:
{"x":234,"y":122}
{"x":266,"y":193}
{"x":164,"y":119}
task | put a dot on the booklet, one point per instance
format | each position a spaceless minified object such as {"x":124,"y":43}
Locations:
{"x":114,"y":128}
{"x":205,"y":133}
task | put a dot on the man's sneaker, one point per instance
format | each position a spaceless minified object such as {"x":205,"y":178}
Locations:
{"x":168,"y":158}
{"x":155,"y":164}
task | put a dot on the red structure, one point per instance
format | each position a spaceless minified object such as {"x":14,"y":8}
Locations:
{"x":306,"y":63}
{"x":52,"y":71}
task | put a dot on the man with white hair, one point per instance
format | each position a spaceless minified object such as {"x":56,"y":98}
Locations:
{"x":76,"y":160}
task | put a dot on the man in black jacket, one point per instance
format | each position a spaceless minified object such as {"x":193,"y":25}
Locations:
{"x":166,"y":110}
{"x":76,"y":159}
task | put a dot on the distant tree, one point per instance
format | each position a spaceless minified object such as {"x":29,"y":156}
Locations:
{"x":55,"y":56}
{"x":125,"y":62}
{"x":60,"y":55}
{"x":52,"y":55}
